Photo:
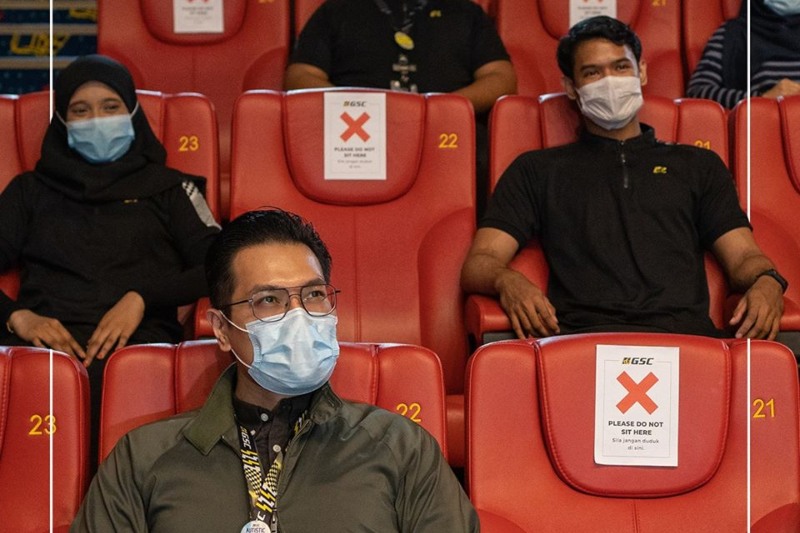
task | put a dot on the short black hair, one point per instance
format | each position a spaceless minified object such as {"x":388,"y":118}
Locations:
{"x":601,"y":27}
{"x":253,"y":228}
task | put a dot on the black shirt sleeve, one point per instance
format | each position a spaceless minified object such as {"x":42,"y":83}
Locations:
{"x":487,"y":45}
{"x":314,"y":44}
{"x":514,"y":205}
{"x":193,"y":230}
{"x":718,"y":209}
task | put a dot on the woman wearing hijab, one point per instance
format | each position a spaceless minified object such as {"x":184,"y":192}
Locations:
{"x":109,"y":240}
{"x":721,"y":74}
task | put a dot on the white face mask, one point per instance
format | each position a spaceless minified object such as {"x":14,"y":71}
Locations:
{"x":611,"y":102}
{"x":784,"y":8}
{"x":293,"y":356}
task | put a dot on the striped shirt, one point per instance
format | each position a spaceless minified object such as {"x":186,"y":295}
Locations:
{"x":707,"y":81}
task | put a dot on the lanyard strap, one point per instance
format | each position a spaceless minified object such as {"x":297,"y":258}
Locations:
{"x":408,"y":16}
{"x":263,"y":489}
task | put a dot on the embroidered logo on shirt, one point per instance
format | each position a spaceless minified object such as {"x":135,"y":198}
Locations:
{"x":659,"y":169}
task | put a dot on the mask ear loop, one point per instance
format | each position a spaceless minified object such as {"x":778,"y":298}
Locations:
{"x":232,"y":323}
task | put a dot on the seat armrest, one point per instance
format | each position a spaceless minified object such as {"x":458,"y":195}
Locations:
{"x":484,"y":318}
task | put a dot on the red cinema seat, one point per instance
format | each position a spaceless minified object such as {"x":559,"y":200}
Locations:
{"x":397,"y":244}
{"x":521,"y":123}
{"x":774,"y":186}
{"x":26,"y":428}
{"x":250,"y":53}
{"x":530,"y":30}
{"x":700,"y":20}
{"x":150,"y":382}
{"x":531,"y":423}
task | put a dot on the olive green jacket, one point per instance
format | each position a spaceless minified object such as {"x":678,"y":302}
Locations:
{"x":351,"y":468}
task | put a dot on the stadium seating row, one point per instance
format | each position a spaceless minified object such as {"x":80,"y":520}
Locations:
{"x":252,"y":50}
{"x":530,"y":429}
{"x":398,"y":243}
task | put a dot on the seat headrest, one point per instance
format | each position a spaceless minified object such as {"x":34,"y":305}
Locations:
{"x":567,"y":388}
{"x":304,"y":115}
{"x":555,"y":15}
{"x":159,"y":18}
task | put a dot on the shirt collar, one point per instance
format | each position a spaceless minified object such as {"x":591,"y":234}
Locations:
{"x":645,"y":139}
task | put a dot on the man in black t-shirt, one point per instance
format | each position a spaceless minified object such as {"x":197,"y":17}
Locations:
{"x":623,"y":219}
{"x":420,"y":45}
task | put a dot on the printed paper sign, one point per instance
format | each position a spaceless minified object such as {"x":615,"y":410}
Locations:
{"x":636,"y":405}
{"x":355,"y":136}
{"x":198,"y":16}
{"x":583,"y":9}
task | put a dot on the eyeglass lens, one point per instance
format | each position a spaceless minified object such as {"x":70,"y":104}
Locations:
{"x":272,"y":304}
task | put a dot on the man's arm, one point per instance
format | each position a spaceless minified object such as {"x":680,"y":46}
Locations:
{"x":492,"y":80}
{"x":758,"y":313}
{"x":486,"y":271}
{"x":305,"y":76}
{"x":113,"y":502}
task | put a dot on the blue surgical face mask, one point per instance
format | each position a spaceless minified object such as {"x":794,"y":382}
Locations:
{"x":784,"y":8}
{"x":293,"y":356}
{"x":102,"y":139}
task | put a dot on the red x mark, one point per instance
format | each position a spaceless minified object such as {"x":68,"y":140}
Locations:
{"x":637,"y":392}
{"x":354,"y":126}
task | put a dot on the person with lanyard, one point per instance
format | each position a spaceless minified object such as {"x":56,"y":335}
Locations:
{"x":274,"y":449}
{"x":447,"y":46}
{"x":774,"y":59}
{"x":441,"y":46}
{"x":109,"y":240}
{"x":623,"y":219}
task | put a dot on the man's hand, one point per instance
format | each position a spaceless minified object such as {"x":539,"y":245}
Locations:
{"x":758,"y":313}
{"x":44,"y":332}
{"x":116,"y":327}
{"x":785,"y":87}
{"x":528,"y":309}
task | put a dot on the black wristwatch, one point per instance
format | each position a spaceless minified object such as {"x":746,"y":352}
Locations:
{"x":777,"y":277}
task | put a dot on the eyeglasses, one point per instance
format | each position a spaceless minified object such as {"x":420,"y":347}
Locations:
{"x":271,"y":305}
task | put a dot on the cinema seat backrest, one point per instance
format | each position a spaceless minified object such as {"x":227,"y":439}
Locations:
{"x":530,"y":30}
{"x":774,"y":186}
{"x":398,"y":244}
{"x":532,"y":468}
{"x":149,"y":382}
{"x":26,"y":427}
{"x":700,"y":20}
{"x":250,"y":53}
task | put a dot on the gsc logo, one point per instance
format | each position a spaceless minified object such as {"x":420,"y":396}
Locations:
{"x":355,"y":103}
{"x":637,"y":360}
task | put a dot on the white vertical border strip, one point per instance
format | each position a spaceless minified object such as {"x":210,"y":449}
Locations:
{"x":51,"y":426}
{"x":749,"y":160}
{"x":50,"y":407}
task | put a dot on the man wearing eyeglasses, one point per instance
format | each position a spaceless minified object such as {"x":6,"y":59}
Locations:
{"x":274,"y":448}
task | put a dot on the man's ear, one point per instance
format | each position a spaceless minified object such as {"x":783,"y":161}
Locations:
{"x":643,"y":72}
{"x":569,"y":88}
{"x":220,"y":326}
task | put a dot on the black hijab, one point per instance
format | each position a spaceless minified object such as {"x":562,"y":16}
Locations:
{"x":139,"y":173}
{"x":774,"y":37}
